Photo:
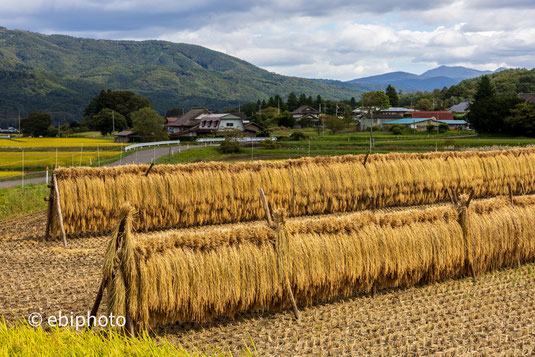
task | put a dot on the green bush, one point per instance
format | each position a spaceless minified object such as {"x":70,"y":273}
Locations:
{"x":431,"y":128}
{"x":396,"y":130}
{"x":442,"y":128}
{"x":270,"y":144}
{"x":229,"y":146}
{"x":297,"y":136}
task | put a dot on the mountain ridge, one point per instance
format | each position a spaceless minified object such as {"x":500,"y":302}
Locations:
{"x":439,"y":77}
{"x":60,"y":74}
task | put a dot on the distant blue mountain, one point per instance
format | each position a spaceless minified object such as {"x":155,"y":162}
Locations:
{"x":440,"y":77}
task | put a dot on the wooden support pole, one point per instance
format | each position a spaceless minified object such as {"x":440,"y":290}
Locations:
{"x":129,"y":324}
{"x":58,"y":209}
{"x":96,"y":304}
{"x":292,"y":299}
{"x":287,"y":284}
{"x":150,"y":168}
{"x":462,"y":209}
{"x":366,"y":158}
{"x":266,"y":207}
{"x":50,"y":210}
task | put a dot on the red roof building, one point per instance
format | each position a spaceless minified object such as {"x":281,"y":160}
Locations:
{"x":438,"y":115}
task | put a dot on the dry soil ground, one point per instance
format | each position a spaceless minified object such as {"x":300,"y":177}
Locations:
{"x":494,"y":316}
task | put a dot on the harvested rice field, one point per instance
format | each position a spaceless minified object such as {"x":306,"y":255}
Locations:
{"x":493,"y":316}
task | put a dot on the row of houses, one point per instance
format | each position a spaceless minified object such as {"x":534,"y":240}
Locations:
{"x":417,"y":119}
{"x":201,"y":121}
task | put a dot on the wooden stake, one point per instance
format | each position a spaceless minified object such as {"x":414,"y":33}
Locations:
{"x":58,"y":209}
{"x":366,"y":158}
{"x":462,"y":208}
{"x":150,"y":168}
{"x":269,"y":220}
{"x":129,"y":326}
{"x":96,"y":304}
{"x":292,"y":299}
{"x":266,"y":207}
{"x":50,"y":210}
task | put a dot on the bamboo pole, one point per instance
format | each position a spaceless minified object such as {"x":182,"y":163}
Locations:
{"x":129,"y":324}
{"x":287,"y":284}
{"x":150,"y":168}
{"x":366,"y":158}
{"x":463,"y":220}
{"x":50,"y":210}
{"x":266,"y":207}
{"x":58,"y":209}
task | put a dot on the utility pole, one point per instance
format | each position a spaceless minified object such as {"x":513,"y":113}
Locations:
{"x":113,"y":120}
{"x":371,"y":130}
{"x":19,"y":121}
{"x":278,"y":106}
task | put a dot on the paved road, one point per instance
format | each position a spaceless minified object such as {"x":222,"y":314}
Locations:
{"x":140,"y":157}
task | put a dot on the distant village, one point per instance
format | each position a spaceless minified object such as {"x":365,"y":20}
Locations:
{"x":200,"y":121}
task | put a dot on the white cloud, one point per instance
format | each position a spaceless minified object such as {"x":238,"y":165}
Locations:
{"x":341,"y":39}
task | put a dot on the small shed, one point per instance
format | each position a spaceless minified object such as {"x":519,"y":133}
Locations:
{"x":124,"y":136}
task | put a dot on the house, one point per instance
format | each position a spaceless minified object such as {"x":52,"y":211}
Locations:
{"x":455,"y":124}
{"x":528,"y":97}
{"x":306,"y":113}
{"x":419,"y":124}
{"x":438,"y":115}
{"x":213,"y":123}
{"x":125,"y":136}
{"x":182,"y":125}
{"x":379,"y":118}
{"x":252,"y":129}
{"x":460,"y":108}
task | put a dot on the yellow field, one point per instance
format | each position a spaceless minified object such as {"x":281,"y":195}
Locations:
{"x":11,"y":159}
{"x":9,"y":173}
{"x":54,"y":142}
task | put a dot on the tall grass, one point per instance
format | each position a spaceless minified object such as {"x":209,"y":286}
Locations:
{"x":23,"y":340}
{"x":212,"y":193}
{"x":200,"y":274}
{"x":15,"y":201}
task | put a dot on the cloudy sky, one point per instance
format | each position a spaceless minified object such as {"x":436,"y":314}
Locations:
{"x":338,"y":39}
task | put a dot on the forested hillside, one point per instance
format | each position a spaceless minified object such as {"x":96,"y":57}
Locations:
{"x":60,"y":74}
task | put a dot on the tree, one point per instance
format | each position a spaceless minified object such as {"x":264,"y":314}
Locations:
{"x":353,"y":102}
{"x":292,"y":103}
{"x":149,"y":125}
{"x":424,"y":104}
{"x":334,"y":124}
{"x":319,"y":103}
{"x":303,"y":99}
{"x":174,"y":112}
{"x":36,"y":124}
{"x":377,"y":99}
{"x":123,"y":102}
{"x":488,"y":115}
{"x":108,"y":120}
{"x":392,"y":96}
{"x":485,"y":89}
{"x":285,"y":119}
{"x":522,"y":119}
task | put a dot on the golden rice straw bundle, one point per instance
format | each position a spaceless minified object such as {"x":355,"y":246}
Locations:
{"x":214,"y":193}
{"x":199,"y":274}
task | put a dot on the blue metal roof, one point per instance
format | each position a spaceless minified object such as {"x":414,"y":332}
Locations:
{"x":397,"y":109}
{"x":406,"y":121}
{"x":453,"y":122}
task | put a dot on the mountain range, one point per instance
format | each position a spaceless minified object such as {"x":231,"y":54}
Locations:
{"x":60,"y":74}
{"x":440,"y":77}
